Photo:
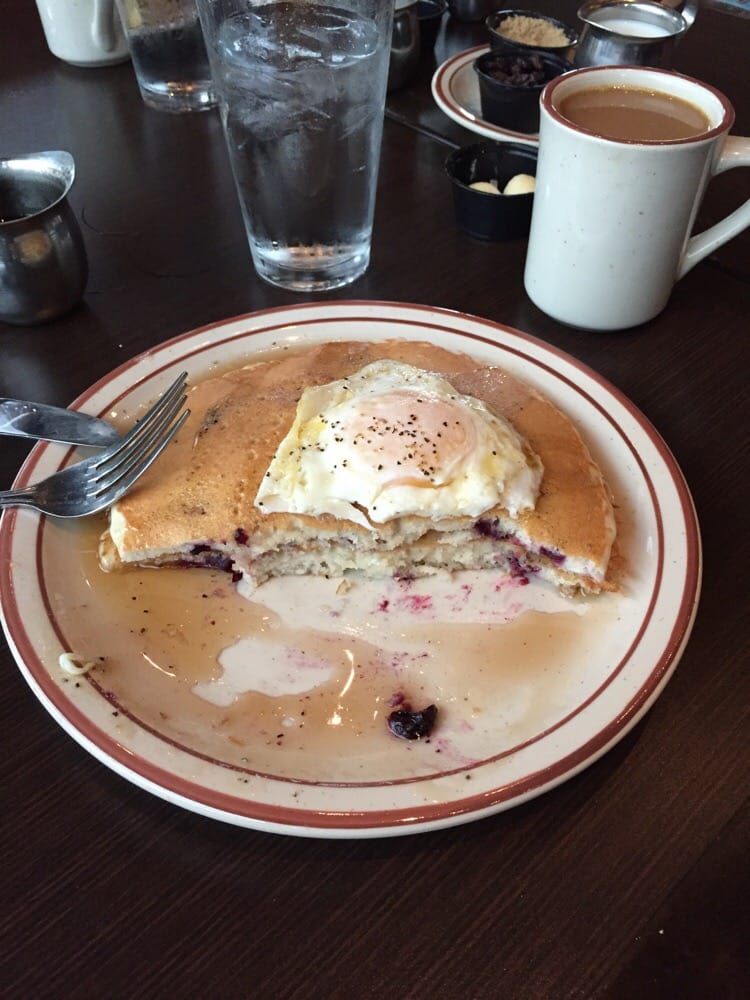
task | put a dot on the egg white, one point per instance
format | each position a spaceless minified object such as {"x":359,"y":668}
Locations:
{"x":391,"y":441}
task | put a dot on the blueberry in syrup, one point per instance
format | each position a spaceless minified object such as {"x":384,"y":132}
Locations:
{"x":412,"y":725}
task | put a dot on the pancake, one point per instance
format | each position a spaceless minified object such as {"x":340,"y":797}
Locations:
{"x":195,"y":506}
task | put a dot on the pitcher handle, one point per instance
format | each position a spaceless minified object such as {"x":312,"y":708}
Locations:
{"x":689,"y":11}
{"x":736,"y":153}
{"x":103,"y":26}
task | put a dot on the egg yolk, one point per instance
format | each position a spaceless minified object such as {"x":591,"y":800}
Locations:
{"x":405,"y":438}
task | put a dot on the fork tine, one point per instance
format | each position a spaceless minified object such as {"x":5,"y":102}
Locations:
{"x":108,"y":470}
{"x":95,"y":483}
{"x":176,"y":389}
{"x":167,"y":402}
{"x":138,"y":460}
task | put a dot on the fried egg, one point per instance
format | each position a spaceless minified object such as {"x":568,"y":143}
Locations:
{"x":393,"y":440}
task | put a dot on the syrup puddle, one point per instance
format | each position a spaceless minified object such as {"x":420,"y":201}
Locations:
{"x":299,"y":680}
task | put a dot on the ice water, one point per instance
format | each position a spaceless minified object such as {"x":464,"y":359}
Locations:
{"x":301,"y":89}
{"x":171,"y":64}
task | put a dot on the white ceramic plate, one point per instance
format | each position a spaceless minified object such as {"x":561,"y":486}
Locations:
{"x":531,"y":687}
{"x":456,"y":92}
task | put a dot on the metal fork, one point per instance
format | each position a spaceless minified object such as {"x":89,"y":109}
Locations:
{"x":98,"y":482}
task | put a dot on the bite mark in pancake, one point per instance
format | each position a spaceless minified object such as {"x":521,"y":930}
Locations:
{"x":196,"y":504}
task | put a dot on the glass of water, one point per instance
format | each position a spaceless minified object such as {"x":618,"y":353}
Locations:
{"x":168,"y":54}
{"x":301,"y":87}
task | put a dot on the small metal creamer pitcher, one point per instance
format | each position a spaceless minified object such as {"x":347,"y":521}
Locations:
{"x":631,"y":32}
{"x":43,"y":266}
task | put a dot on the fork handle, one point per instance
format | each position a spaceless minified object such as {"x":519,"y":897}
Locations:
{"x":17,"y":498}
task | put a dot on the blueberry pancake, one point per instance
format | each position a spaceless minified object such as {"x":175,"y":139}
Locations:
{"x":391,"y":458}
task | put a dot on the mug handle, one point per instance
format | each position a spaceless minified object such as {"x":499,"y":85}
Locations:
{"x":103,"y":26}
{"x":736,"y":153}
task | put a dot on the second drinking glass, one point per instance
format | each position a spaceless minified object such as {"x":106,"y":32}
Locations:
{"x":168,"y":53}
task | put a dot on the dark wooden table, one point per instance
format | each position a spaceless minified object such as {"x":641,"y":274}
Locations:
{"x":629,"y":880}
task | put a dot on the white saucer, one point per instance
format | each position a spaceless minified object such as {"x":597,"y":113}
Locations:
{"x":456,"y":92}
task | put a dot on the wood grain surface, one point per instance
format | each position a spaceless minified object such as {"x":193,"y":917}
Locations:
{"x":629,"y":881}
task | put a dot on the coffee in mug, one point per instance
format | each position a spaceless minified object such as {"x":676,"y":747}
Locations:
{"x":625,"y":156}
{"x":634,"y":114}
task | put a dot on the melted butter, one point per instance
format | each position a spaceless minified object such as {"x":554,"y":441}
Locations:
{"x":502,"y":663}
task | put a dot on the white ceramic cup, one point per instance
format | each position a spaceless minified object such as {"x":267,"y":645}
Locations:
{"x":83,"y":32}
{"x":611,"y":222}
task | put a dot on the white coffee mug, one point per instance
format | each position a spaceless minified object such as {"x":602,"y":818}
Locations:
{"x":611,"y":222}
{"x":83,"y":32}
